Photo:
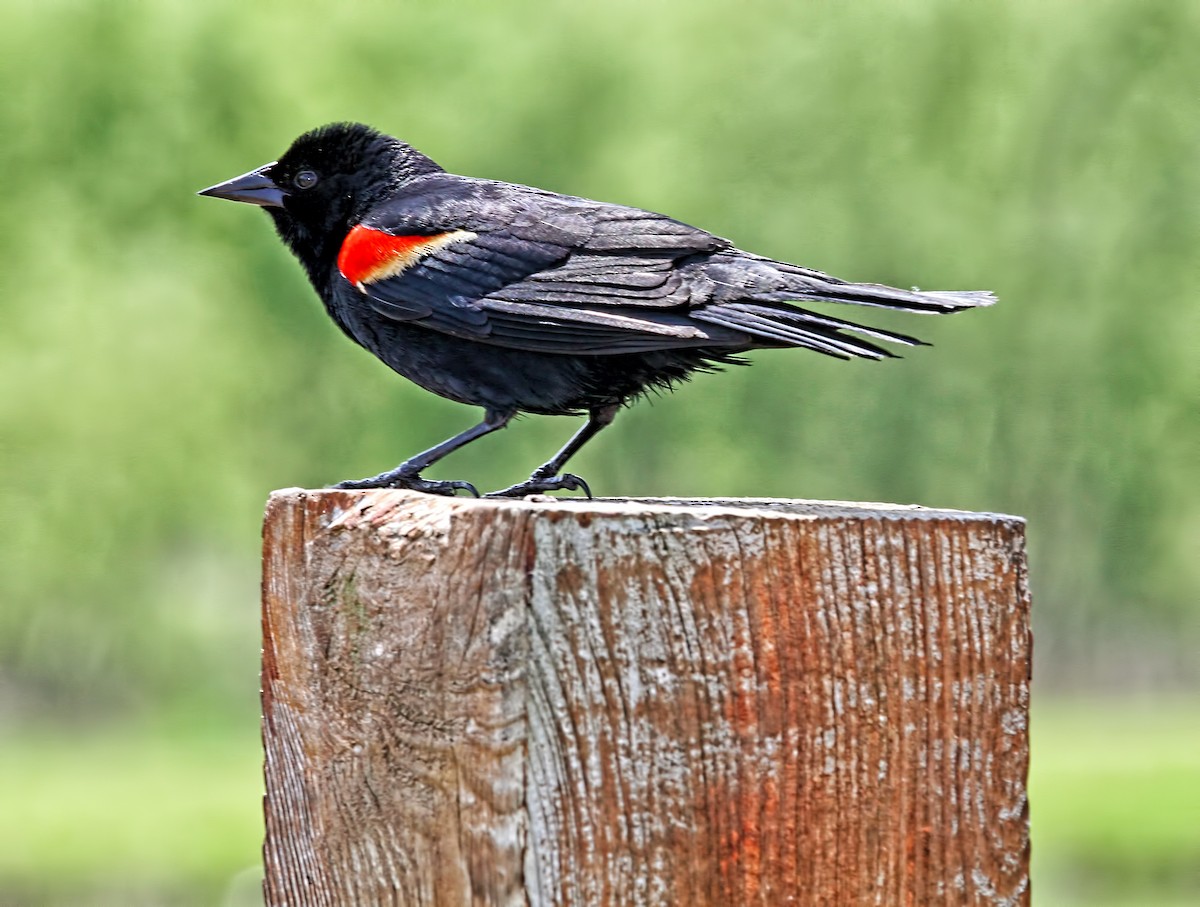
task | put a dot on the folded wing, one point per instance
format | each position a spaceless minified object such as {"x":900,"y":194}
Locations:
{"x":532,"y":271}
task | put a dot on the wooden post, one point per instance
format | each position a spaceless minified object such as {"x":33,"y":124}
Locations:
{"x":643,"y":702}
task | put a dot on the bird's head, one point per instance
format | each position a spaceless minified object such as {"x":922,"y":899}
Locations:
{"x":324,"y":183}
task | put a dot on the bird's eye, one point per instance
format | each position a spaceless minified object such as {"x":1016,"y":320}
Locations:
{"x":305,"y":179}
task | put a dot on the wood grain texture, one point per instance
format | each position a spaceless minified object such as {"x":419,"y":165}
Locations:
{"x":650,"y":702}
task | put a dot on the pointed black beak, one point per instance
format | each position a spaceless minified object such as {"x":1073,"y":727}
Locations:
{"x":253,"y":188}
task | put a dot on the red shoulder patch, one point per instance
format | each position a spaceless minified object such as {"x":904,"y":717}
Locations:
{"x":369,"y":255}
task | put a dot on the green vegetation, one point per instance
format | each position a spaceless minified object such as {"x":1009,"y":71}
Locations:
{"x":130,"y":817}
{"x":1114,"y":795}
{"x":165,"y":365}
{"x":161,"y":815}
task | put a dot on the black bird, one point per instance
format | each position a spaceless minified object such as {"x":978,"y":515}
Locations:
{"x":521,"y":300}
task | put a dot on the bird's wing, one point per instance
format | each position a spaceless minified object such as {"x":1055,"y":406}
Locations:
{"x":530,"y":270}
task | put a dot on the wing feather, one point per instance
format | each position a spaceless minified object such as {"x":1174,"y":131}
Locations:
{"x":536,"y":271}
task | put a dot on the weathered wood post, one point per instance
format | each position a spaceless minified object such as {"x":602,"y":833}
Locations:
{"x":644,"y":702}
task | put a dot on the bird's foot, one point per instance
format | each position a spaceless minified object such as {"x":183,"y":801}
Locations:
{"x":540,"y":484}
{"x":410,"y":481}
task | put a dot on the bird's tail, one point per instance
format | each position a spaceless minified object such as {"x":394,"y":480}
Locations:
{"x":804,"y":283}
{"x":765,"y":306}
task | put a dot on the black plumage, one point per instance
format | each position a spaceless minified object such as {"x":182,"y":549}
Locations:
{"x":520,"y":300}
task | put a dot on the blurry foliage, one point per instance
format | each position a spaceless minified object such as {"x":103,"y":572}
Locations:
{"x":170,"y":816}
{"x":165,"y":364}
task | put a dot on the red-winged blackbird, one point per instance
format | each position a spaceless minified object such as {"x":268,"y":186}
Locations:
{"x":521,"y":300}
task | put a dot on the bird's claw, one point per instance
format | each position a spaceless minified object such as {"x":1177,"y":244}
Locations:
{"x":411,"y":483}
{"x":536,"y":484}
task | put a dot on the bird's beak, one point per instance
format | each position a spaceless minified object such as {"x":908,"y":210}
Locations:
{"x":253,"y":188}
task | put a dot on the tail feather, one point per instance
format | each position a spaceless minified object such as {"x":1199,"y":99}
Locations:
{"x":778,"y":325}
{"x":923,"y":302}
{"x":804,"y":316}
{"x":758,"y":296}
{"x":804,"y":283}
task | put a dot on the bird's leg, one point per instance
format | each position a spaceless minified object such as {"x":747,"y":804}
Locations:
{"x":546,"y":477}
{"x":408,"y":473}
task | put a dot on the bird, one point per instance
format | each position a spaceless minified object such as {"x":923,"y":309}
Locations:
{"x":522,"y":300}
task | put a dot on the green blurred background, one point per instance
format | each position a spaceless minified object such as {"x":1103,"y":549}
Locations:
{"x":165,"y":365}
